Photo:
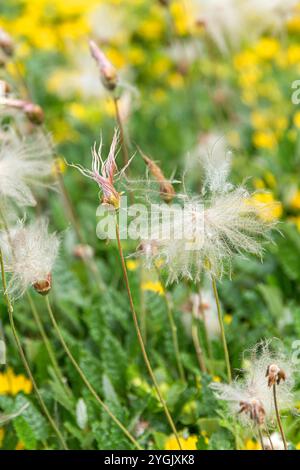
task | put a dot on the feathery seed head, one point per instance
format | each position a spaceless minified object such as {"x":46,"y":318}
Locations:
{"x":29,"y":253}
{"x":251,"y":397}
{"x":23,"y":164}
{"x":104,"y":172}
{"x":108,"y":73}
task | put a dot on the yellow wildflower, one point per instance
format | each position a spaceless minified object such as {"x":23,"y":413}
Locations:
{"x":132,"y":265}
{"x":270,"y":179}
{"x":216,"y":378}
{"x":20,"y":446}
{"x":11,"y":384}
{"x":267,"y":207}
{"x":264,"y":139}
{"x":295,"y":200}
{"x":298,"y":446}
{"x":259,"y":120}
{"x":153,"y":287}
{"x":175,"y":80}
{"x":2,"y":433}
{"x":187,"y":443}
{"x":267,"y":48}
{"x":258,"y":183}
{"x":293,"y":54}
{"x":228,"y":319}
{"x":297,"y":119}
{"x":244,"y":59}
{"x":204,"y":435}
{"x":59,"y":166}
{"x":252,"y":445}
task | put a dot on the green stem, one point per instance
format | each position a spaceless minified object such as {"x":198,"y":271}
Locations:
{"x":173,"y":328}
{"x":220,"y":317}
{"x":207,"y":338}
{"x":84,"y":378}
{"x":141,"y":342}
{"x":196,"y":341}
{"x":278,"y":418}
{"x":48,"y":345}
{"x":23,"y":357}
{"x":260,"y":438}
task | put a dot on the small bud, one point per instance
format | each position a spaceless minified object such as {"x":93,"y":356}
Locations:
{"x":81,"y":414}
{"x":108,"y":73}
{"x":84,"y":252}
{"x":167,"y":191}
{"x":34,"y":113}
{"x":275,"y":375}
{"x":6,"y":43}
{"x":44,"y":286}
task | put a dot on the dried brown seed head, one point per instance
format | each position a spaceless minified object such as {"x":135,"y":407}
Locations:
{"x":254,"y":409}
{"x":43,"y":287}
{"x":275,"y":375}
{"x":167,"y":191}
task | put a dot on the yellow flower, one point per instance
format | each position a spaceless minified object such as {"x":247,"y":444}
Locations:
{"x":153,"y":287}
{"x":258,"y":183}
{"x":188,"y":443}
{"x":216,"y":378}
{"x":11,"y":384}
{"x":20,"y":446}
{"x":298,"y":446}
{"x":259,"y":120}
{"x":267,"y":207}
{"x":252,"y":445}
{"x":264,"y":139}
{"x":151,"y":29}
{"x":267,"y":48}
{"x":244,"y":60}
{"x":297,"y":119}
{"x":293,"y":54}
{"x":295,"y":200}
{"x":2,"y":433}
{"x":132,"y":265}
{"x":175,"y":80}
{"x":136,"y":56}
{"x":228,"y":319}
{"x":59,"y":166}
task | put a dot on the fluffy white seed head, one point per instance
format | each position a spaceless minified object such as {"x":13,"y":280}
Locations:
{"x":24,"y":164}
{"x":29,"y":254}
{"x":254,"y":389}
{"x":205,"y":236}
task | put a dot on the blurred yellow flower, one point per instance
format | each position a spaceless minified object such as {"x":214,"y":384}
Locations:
{"x":175,"y":80}
{"x":267,"y":48}
{"x":296,"y":221}
{"x":259,"y":120}
{"x":216,"y":378}
{"x":270,"y":179}
{"x":258,"y":183}
{"x":296,"y":119}
{"x":132,"y":265}
{"x":59,"y":166}
{"x":298,"y":446}
{"x":293,"y":54}
{"x":264,"y":139}
{"x":11,"y":384}
{"x":20,"y":446}
{"x":252,"y":445}
{"x":267,"y":207}
{"x":187,"y":443}
{"x":153,"y":287}
{"x":151,"y":29}
{"x":2,"y":433}
{"x":136,"y":56}
{"x":294,"y":201}
{"x":228,"y":319}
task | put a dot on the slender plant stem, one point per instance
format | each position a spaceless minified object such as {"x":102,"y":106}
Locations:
{"x":220,"y":316}
{"x":260,"y":438}
{"x":84,"y":378}
{"x":143,"y":315}
{"x":196,"y":341}
{"x":122,"y":133}
{"x":141,"y":342}
{"x":173,"y":328}
{"x":48,"y":345}
{"x":269,"y":437}
{"x":278,"y":418}
{"x":23,"y":357}
{"x":206,"y":334}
